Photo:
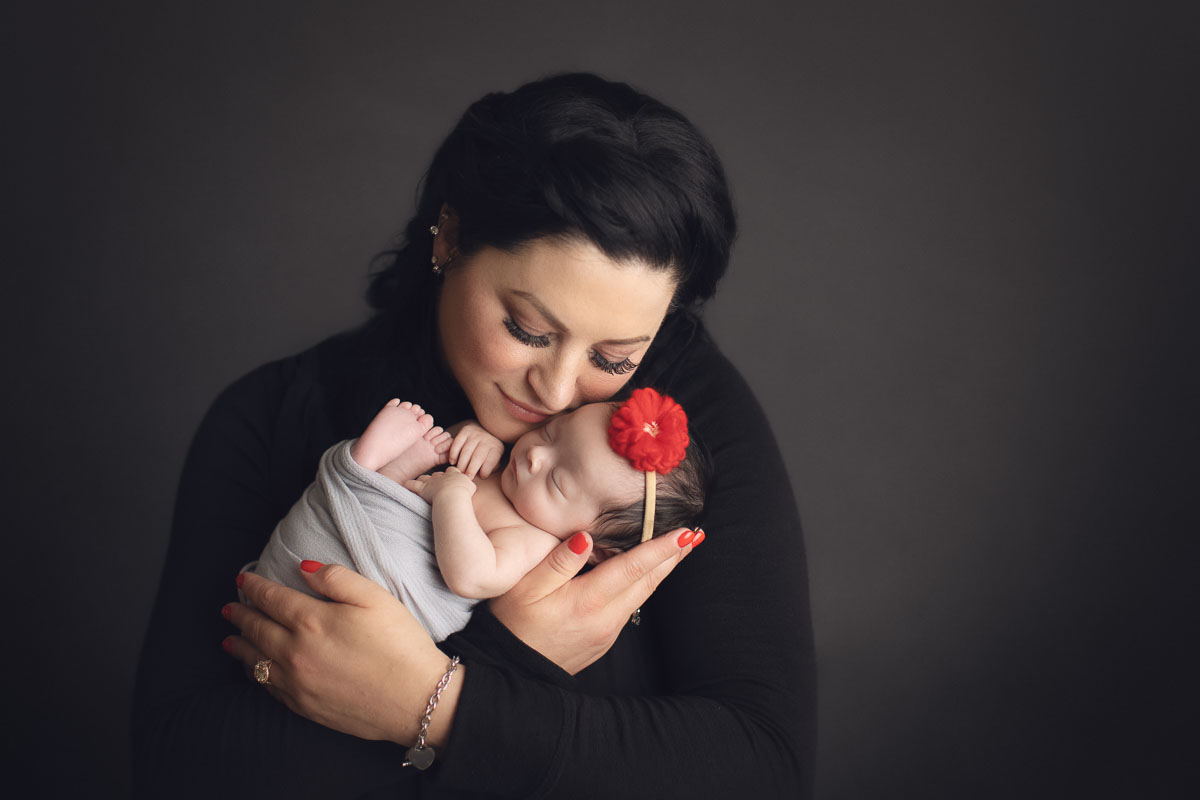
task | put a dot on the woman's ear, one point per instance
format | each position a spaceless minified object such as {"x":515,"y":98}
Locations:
{"x":445,"y":243}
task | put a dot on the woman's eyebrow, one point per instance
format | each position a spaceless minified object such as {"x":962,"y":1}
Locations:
{"x":556,"y":322}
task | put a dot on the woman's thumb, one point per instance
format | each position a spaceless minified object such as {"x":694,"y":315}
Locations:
{"x":563,"y":563}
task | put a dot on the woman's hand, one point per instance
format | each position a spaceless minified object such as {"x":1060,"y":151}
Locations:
{"x":574,"y":620}
{"x":362,"y":665}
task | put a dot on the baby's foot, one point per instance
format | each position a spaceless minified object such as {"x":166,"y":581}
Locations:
{"x":427,"y":452}
{"x":395,"y":429}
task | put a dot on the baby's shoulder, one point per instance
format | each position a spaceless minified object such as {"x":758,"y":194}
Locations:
{"x":492,"y":508}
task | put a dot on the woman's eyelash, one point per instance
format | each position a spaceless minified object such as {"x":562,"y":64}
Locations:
{"x":525,"y":337}
{"x":622,"y":367}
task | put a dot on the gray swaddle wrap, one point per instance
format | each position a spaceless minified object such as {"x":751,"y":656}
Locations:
{"x":365,"y":521}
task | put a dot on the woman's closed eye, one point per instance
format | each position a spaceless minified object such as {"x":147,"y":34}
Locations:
{"x":525,"y":337}
{"x":539,"y":340}
{"x":621,"y":367}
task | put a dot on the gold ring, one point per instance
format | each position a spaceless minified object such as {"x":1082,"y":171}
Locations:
{"x":262,"y":671}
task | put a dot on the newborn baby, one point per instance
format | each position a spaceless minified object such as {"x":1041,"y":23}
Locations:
{"x":370,"y":507}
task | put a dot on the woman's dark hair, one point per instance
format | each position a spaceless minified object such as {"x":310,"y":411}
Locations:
{"x":568,"y":156}
{"x":679,"y":499}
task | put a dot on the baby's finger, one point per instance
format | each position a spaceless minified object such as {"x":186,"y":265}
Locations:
{"x":456,"y":447}
{"x":478,"y":456}
{"x":468,"y":452}
{"x":490,"y":462}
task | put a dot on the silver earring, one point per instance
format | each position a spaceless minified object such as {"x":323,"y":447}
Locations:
{"x":434,"y":229}
{"x":439,"y":268}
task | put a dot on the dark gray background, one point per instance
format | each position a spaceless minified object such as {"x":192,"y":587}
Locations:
{"x":959,"y":291}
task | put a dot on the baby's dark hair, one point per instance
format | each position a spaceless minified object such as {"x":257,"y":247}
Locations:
{"x":679,"y":500}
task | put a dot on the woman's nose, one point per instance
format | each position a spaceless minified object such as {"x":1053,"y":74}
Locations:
{"x":553,"y":381}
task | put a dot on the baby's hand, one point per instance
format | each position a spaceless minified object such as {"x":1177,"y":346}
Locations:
{"x":430,"y":486}
{"x":475,"y":451}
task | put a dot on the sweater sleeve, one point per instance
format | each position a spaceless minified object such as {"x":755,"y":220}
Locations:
{"x":726,"y":708}
{"x":731,"y":708}
{"x":200,"y":727}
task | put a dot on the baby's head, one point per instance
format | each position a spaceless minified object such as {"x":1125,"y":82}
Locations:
{"x":564,"y":477}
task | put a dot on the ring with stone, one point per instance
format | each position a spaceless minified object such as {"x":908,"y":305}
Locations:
{"x":262,"y":671}
{"x":636,"y":617}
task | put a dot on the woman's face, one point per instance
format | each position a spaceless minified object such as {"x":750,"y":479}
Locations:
{"x":550,"y":327}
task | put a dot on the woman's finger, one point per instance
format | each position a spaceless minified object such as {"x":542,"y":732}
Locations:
{"x":637,"y":594}
{"x":343,"y":584}
{"x":243,"y":650}
{"x":627,"y":579}
{"x":277,"y":675}
{"x":563,"y":564}
{"x":262,"y":632}
{"x":283,"y":605}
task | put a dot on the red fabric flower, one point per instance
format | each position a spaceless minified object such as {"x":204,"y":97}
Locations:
{"x":650,"y":430}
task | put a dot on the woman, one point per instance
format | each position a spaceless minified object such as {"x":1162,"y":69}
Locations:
{"x":564,"y":238}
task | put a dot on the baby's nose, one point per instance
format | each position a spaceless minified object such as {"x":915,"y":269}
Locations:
{"x":537,"y":459}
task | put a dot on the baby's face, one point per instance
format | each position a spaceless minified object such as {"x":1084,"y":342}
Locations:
{"x":561,"y":476}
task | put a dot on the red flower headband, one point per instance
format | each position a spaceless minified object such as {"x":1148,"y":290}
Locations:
{"x":650,"y":430}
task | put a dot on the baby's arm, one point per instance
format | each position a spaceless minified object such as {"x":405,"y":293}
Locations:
{"x":476,"y":564}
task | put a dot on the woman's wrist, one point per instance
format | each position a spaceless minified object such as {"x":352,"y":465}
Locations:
{"x":417,"y":701}
{"x":442,"y":718}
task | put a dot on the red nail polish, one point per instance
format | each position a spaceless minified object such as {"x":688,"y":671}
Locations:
{"x":310,"y":566}
{"x":227,"y":644}
{"x":226,"y":611}
{"x":699,"y":538}
{"x":685,"y":537}
{"x":238,"y":580}
{"x":578,"y":543}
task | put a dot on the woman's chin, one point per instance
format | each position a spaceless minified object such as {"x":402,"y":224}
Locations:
{"x":503,"y":425}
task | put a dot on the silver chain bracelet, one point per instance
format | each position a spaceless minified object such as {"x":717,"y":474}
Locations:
{"x":419,"y":755}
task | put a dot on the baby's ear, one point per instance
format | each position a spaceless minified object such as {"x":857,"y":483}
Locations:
{"x":600,"y":554}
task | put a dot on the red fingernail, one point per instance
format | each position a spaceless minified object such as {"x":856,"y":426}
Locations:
{"x":227,"y":611}
{"x":310,"y":566}
{"x":578,"y":543}
{"x":685,"y":537}
{"x":227,"y":644}
{"x":238,"y":580}
{"x":699,"y":538}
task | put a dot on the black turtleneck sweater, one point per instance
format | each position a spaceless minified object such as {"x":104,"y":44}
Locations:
{"x":712,"y":696}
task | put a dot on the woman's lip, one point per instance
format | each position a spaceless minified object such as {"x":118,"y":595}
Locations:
{"x":523,"y":413}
